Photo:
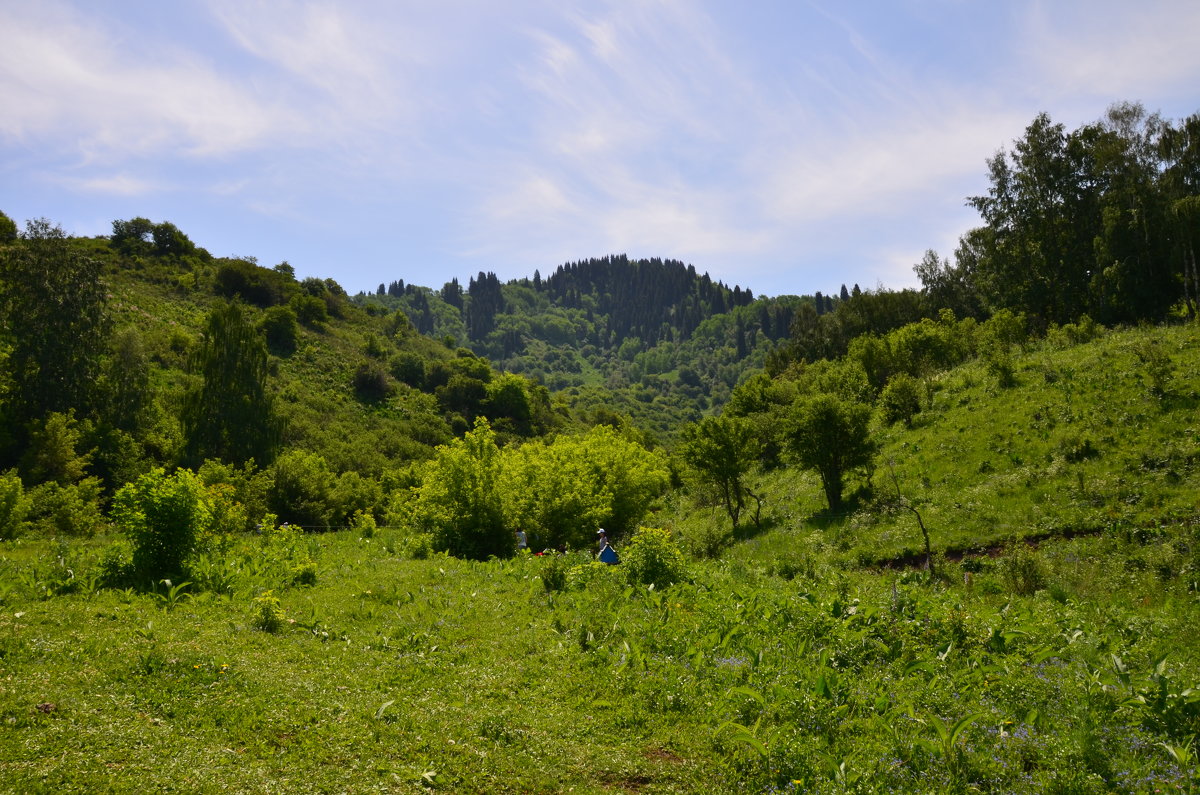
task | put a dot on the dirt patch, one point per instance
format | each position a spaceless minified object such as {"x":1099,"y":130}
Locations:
{"x":663,"y":755}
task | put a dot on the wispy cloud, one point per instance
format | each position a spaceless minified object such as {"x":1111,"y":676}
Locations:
{"x":114,"y":185}
{"x":777,"y":140}
{"x":1113,"y":49}
{"x":76,"y":80}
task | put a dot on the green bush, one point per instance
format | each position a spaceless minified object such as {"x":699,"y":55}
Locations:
{"x":305,"y":572}
{"x":163,"y":515}
{"x":652,"y":558}
{"x":554,"y":573}
{"x":115,"y":568}
{"x":14,"y":505}
{"x":281,"y":329}
{"x":268,"y":615}
{"x":72,"y":510}
{"x":1022,"y":570}
{"x":900,"y":400}
{"x":302,"y":490}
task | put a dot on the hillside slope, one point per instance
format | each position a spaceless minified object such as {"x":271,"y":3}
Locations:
{"x":1099,"y":437}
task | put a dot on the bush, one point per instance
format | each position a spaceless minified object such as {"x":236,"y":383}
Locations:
{"x":652,"y":558}
{"x":302,"y":490}
{"x":1022,"y":571}
{"x":163,"y":515}
{"x":14,"y":505}
{"x":310,"y":311}
{"x":900,"y":400}
{"x":708,"y":541}
{"x":268,"y":615}
{"x":115,"y":568}
{"x":281,"y":329}
{"x":372,"y":383}
{"x":554,"y":574}
{"x":72,"y":510}
{"x":305,"y":572}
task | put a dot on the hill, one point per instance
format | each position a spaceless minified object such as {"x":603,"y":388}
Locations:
{"x":792,"y":661}
{"x":115,"y":366}
{"x":651,"y":339}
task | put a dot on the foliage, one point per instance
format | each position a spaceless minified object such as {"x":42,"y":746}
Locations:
{"x":230,"y":415}
{"x":722,"y":451}
{"x":281,"y":330}
{"x":831,"y":436}
{"x":54,"y":317}
{"x":8,"y":230}
{"x":162,"y":515}
{"x":561,"y":493}
{"x":52,"y":454}
{"x":900,"y":400}
{"x":651,"y":557}
{"x":14,"y":505}
{"x":1022,"y":570}
{"x":459,"y":501}
{"x":301,"y":490}
{"x":71,"y":509}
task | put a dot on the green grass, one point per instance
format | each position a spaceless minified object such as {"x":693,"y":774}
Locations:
{"x":407,"y":675}
{"x":790,"y":663}
{"x":1081,"y":444}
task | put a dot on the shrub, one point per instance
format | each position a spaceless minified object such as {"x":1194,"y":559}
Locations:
{"x":301,"y":490}
{"x":708,"y":541}
{"x":652,"y":558}
{"x":1075,"y":448}
{"x":417,"y":547}
{"x":305,"y":572}
{"x":459,"y":502}
{"x":115,"y":568}
{"x":364,"y":524}
{"x":310,"y":310}
{"x":14,"y":505}
{"x":72,"y":510}
{"x":900,"y":400}
{"x":1021,"y":570}
{"x":372,"y":383}
{"x":281,"y":329}
{"x":554,"y":574}
{"x":268,"y":615}
{"x":163,"y":515}
{"x":409,"y":368}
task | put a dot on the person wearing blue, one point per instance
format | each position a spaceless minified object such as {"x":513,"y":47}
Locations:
{"x":607,"y":553}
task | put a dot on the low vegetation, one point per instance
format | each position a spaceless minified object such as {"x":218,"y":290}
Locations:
{"x":815,"y":654}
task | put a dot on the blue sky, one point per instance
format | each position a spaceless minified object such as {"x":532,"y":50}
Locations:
{"x":785,"y":146}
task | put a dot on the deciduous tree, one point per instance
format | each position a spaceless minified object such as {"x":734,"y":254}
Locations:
{"x":53,"y":312}
{"x":831,"y":436}
{"x":722,"y":451}
{"x":230,"y":415}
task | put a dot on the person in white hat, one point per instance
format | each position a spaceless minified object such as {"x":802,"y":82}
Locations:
{"x":607,"y":554}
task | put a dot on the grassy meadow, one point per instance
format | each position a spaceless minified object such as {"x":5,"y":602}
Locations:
{"x":1052,"y":648}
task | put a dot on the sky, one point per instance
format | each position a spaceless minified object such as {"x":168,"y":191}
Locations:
{"x":780,"y":145}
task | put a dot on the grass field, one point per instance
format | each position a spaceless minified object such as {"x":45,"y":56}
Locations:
{"x":791,"y":662}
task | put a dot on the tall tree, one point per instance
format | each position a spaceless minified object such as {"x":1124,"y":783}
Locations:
{"x":55,"y":321}
{"x":230,"y":415}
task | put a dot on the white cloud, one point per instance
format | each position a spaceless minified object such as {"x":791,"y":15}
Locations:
{"x":1119,"y":50}
{"x":114,"y":185}
{"x":76,"y":81}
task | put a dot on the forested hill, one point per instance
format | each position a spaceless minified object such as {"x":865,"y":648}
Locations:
{"x":650,"y":299}
{"x":649,"y":338}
